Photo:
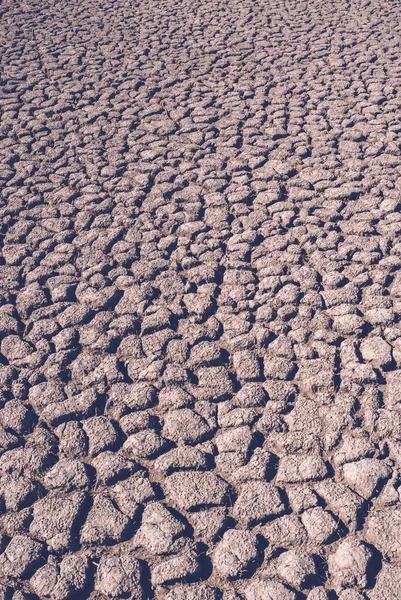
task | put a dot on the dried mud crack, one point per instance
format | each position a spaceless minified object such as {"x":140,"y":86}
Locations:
{"x":200,"y":291}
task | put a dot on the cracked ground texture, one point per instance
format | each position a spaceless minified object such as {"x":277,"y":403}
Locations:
{"x":200,"y":369}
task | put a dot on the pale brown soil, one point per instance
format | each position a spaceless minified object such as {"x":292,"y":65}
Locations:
{"x":200,"y":290}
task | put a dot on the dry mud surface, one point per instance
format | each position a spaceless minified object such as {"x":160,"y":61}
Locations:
{"x":200,"y":369}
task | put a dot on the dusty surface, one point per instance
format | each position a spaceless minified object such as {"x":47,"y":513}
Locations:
{"x":200,"y":362}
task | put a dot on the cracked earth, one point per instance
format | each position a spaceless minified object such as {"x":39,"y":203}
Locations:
{"x":200,"y":368}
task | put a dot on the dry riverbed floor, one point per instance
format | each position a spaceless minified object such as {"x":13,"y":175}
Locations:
{"x":200,"y":295}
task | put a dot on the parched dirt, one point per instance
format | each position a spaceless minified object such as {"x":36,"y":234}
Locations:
{"x":200,"y":290}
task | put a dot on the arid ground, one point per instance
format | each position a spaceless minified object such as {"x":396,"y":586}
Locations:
{"x":200,"y":252}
